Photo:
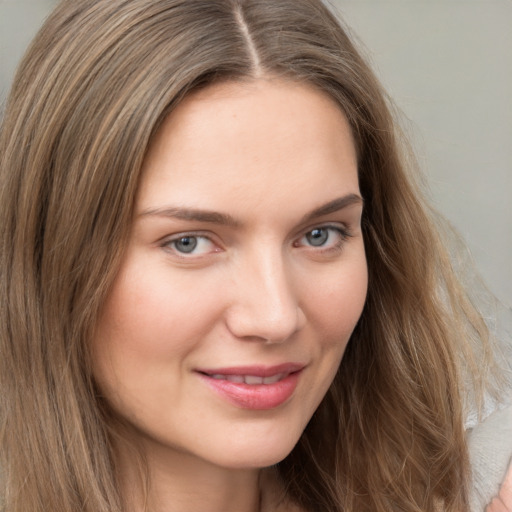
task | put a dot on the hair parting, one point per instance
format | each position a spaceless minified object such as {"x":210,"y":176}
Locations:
{"x":90,"y":95}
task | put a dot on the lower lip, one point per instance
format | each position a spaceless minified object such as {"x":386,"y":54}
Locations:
{"x":257,"y":396}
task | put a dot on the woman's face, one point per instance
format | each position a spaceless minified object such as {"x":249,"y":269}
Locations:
{"x":244,"y":276}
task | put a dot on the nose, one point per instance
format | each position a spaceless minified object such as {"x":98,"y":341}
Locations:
{"x":265,"y":305}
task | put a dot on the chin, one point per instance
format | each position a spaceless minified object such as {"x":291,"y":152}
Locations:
{"x":257,"y":460}
{"x":256,"y":451}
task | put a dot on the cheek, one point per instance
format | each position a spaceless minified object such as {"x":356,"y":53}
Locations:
{"x":151,"y":320}
{"x":339,"y":301}
{"x":150,"y":309}
{"x":336,"y":302}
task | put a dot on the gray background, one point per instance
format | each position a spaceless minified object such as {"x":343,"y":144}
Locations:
{"x":448,"y":66}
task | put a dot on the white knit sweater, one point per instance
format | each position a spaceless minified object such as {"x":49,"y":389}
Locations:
{"x":490,"y":448}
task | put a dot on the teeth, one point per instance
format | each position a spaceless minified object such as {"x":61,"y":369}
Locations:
{"x":235,"y":378}
{"x":249,"y":379}
{"x":274,"y":378}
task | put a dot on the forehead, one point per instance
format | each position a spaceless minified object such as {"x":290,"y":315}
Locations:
{"x":254,"y":143}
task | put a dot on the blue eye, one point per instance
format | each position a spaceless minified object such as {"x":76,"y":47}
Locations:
{"x":324,"y":237}
{"x":187,"y":244}
{"x":193,"y":245}
{"x":317,"y":237}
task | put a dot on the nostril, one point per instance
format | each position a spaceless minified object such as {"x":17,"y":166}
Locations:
{"x":265,"y":306}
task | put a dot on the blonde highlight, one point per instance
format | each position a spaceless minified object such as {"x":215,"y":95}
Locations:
{"x":92,"y":91}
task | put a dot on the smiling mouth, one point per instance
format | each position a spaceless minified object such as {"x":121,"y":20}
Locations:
{"x":254,"y":387}
{"x":251,"y":380}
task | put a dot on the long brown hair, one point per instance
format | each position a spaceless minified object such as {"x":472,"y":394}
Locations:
{"x":91,"y":92}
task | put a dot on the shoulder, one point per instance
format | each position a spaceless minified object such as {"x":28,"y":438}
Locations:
{"x":490,"y":450}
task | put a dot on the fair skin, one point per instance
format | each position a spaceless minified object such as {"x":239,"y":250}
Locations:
{"x":503,"y":501}
{"x":246,"y":262}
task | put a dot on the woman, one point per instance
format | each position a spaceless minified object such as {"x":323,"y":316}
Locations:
{"x":197,"y":311}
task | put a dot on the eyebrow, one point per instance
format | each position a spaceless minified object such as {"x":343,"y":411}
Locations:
{"x":198,"y":215}
{"x":333,"y":206}
{"x":192,"y":214}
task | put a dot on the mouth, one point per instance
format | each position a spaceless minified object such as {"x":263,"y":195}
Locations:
{"x":255,"y":387}
{"x":250,"y":380}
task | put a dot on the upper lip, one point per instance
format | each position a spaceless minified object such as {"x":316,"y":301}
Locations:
{"x":254,"y":370}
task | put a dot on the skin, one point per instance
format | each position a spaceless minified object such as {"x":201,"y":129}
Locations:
{"x":503,"y":502}
{"x":258,"y":290}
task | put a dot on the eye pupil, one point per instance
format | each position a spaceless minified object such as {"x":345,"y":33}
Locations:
{"x":317,"y":237}
{"x":186,"y":244}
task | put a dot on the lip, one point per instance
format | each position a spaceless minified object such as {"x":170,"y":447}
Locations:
{"x":254,"y":396}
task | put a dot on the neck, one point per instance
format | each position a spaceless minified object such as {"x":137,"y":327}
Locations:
{"x":180,"y":482}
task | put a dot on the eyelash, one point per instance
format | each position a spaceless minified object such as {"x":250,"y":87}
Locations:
{"x":342,"y":232}
{"x":170,"y":244}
